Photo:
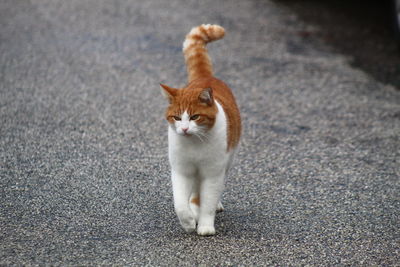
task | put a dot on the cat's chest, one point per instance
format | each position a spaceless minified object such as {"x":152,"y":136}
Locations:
{"x":198,"y":149}
{"x":192,"y":148}
{"x":207,"y":148}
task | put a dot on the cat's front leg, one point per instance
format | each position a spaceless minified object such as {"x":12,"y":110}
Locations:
{"x":210,"y":193}
{"x":182,"y":187}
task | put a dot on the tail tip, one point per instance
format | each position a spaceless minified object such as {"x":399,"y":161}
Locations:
{"x":206,"y":32}
{"x":214,"y":31}
{"x":209,"y":32}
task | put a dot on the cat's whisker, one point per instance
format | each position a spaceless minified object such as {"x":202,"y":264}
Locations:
{"x":202,"y":135}
{"x":199,"y":136}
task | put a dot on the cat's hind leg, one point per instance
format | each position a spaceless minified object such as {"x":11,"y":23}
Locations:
{"x":194,"y":201}
{"x":220,"y":207}
{"x":194,"y":205}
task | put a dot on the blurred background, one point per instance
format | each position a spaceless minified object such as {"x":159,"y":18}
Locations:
{"x":367,"y":31}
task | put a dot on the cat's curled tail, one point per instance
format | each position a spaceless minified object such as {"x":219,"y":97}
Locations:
{"x":198,"y":62}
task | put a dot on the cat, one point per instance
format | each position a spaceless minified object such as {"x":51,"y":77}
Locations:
{"x":203,"y":135}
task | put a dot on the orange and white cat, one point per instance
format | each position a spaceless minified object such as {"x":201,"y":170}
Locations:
{"x":204,"y":131}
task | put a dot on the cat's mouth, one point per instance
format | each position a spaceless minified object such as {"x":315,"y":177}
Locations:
{"x":184,"y":132}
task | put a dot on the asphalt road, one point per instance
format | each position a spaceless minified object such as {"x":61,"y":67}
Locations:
{"x":83,"y":143}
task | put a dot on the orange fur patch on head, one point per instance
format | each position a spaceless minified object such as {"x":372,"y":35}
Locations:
{"x":189,"y":100}
{"x":168,"y":92}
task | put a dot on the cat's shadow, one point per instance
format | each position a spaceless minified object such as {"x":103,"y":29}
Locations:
{"x":249,"y":224}
{"x":246,"y":224}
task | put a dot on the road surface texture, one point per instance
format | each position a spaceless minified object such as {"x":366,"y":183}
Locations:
{"x":83,"y":140}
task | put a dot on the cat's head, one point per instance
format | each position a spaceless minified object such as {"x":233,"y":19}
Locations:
{"x":190,"y":111}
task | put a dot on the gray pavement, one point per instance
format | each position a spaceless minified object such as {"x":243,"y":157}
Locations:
{"x":83,"y":143}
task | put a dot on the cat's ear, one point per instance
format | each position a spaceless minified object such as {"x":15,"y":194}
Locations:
{"x":168,"y":92}
{"x":206,"y":96}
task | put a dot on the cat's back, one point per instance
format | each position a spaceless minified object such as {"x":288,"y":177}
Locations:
{"x":224,"y":96}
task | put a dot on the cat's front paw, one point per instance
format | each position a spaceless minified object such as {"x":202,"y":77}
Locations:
{"x":187,"y":221}
{"x":205,"y":230}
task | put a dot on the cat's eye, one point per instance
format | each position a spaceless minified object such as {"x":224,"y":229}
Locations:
{"x":194,"y":117}
{"x":177,"y":118}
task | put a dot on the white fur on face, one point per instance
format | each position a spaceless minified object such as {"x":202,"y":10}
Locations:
{"x":186,"y":123}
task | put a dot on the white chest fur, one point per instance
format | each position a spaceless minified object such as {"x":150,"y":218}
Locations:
{"x":193,"y":152}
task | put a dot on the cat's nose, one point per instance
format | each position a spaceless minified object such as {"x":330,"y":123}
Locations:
{"x":185,"y":129}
